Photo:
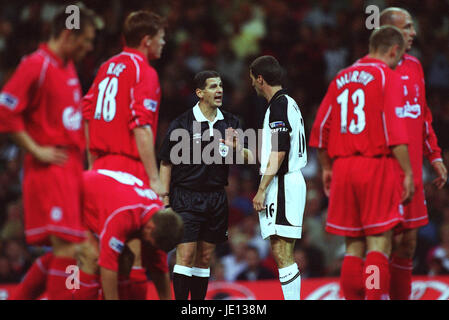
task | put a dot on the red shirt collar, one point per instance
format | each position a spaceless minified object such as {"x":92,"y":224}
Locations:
{"x":44,"y":47}
{"x":367,"y":59}
{"x":136,"y":52}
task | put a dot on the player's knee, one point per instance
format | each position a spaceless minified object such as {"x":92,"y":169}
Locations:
{"x":204,"y":260}
{"x":407,"y":248}
{"x":185,"y":258}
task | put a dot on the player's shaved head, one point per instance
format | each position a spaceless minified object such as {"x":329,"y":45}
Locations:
{"x":390,"y":16}
{"x":382,"y":39}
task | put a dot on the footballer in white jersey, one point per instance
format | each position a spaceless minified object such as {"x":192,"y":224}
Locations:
{"x":281,"y":195}
{"x":283,"y":130}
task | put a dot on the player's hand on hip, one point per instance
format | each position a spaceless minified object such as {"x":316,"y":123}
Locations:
{"x":409,"y":189}
{"x":441,"y":171}
{"x":51,"y":155}
{"x":259,"y":201}
{"x":327,"y":177}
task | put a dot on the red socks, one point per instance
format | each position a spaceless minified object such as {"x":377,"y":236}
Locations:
{"x":58,"y":279}
{"x":401,"y":278}
{"x":376,"y":276}
{"x":351,"y":278}
{"x":33,"y":285}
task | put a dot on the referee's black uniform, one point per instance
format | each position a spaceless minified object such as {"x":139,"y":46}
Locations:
{"x":197,"y":189}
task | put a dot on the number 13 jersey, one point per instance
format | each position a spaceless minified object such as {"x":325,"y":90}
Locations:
{"x":357,"y":115}
{"x":124,"y":95}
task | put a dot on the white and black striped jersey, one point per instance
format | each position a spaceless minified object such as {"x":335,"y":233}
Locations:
{"x":283,"y":130}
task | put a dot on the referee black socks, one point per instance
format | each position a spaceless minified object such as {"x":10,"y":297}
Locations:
{"x":182,"y":277}
{"x":199,"y":283}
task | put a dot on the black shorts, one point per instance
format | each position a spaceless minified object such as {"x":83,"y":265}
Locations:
{"x":205,"y":214}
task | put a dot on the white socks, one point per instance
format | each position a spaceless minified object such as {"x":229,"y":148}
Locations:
{"x":200,"y":272}
{"x":290,"y":279}
{"x":187,"y":271}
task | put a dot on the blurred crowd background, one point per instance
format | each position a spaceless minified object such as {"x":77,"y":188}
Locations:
{"x":311,"y":39}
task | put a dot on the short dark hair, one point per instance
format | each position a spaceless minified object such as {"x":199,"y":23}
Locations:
{"x":201,"y":77}
{"x":58,"y":24}
{"x":384,"y":38}
{"x":140,"y":23}
{"x":169,"y":229}
{"x":269,"y":68}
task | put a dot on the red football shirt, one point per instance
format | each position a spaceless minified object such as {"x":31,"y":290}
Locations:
{"x":357,"y":115}
{"x":124,"y":95}
{"x":43,"y":97}
{"x":116,"y":206}
{"x":417,"y":115}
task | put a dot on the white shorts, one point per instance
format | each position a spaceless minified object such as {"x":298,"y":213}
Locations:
{"x":285,"y":201}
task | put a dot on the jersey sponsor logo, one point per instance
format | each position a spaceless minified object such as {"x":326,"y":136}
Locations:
{"x":278,"y":126}
{"x":56,"y":214}
{"x":8,"y":100}
{"x":223,"y":149}
{"x":116,"y":245}
{"x":71,"y":119}
{"x":408,"y":111}
{"x":150,"y":104}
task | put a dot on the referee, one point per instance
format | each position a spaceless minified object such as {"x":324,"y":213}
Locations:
{"x":194,"y":182}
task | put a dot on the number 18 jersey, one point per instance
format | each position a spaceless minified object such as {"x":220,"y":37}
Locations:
{"x":357,"y":116}
{"x":124,"y":95}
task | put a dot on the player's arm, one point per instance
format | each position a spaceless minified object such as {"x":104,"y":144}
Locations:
{"x":400,"y":152}
{"x":113,"y":253}
{"x":431,"y":149}
{"x":274,"y":163}
{"x":16,"y":96}
{"x":45,"y":154}
{"x":90,"y":157}
{"x":395,"y":131}
{"x":88,"y":110}
{"x":319,"y":136}
{"x":161,"y":281}
{"x":165,"y":156}
{"x":430,"y":142}
{"x":326,"y":167}
{"x":145,"y":146}
{"x":165,"y":173}
{"x":109,"y":283}
{"x":280,"y":145}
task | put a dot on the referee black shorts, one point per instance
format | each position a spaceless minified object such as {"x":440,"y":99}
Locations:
{"x":205,"y":214}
